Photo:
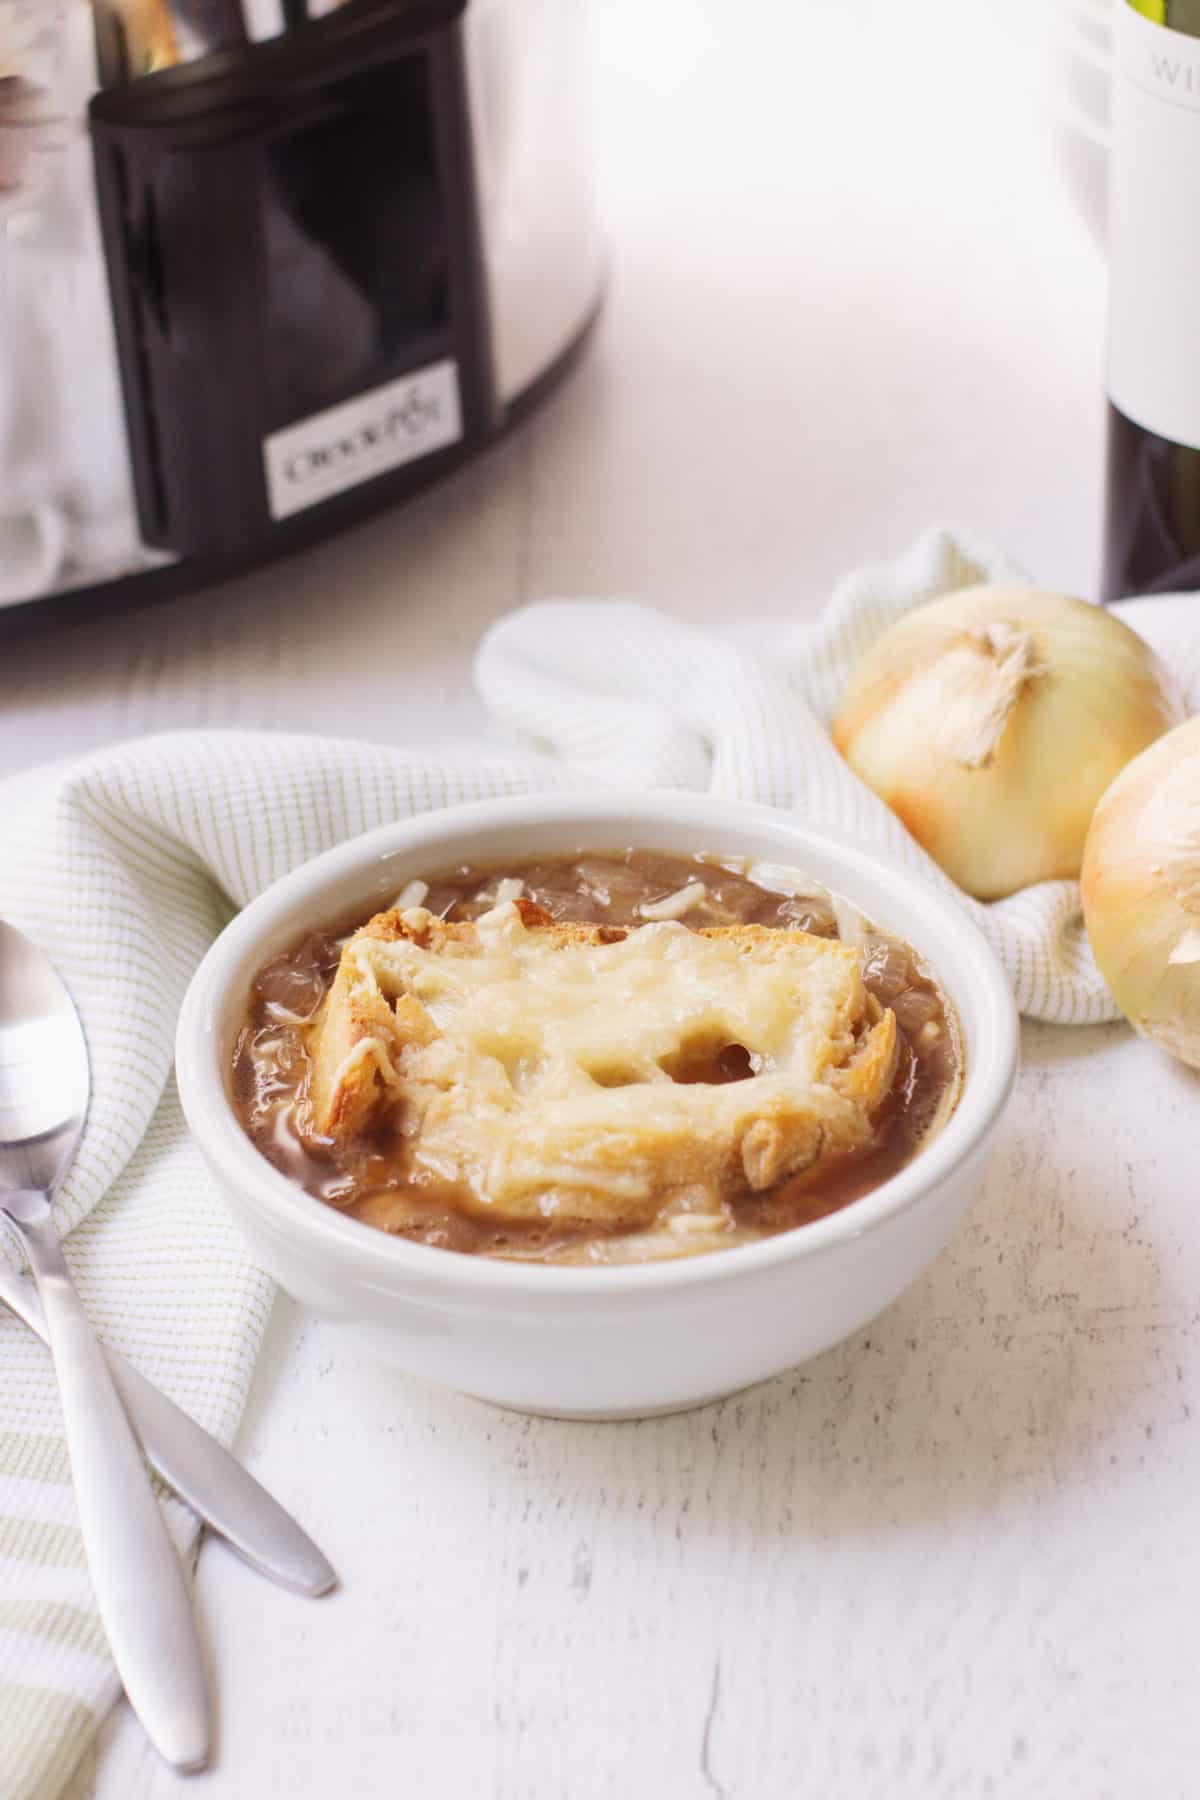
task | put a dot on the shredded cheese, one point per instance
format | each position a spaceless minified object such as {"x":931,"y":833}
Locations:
{"x":674,"y":906}
{"x":414,"y":893}
{"x":539,"y":1071}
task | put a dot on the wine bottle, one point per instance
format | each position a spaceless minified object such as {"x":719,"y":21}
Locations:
{"x":1152,"y":529}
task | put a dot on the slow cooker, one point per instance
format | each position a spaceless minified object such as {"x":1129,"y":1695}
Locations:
{"x":265,"y":265}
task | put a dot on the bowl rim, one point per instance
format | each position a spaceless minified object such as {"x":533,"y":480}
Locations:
{"x":990,"y":1075}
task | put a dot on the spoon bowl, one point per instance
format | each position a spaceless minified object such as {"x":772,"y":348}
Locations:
{"x":44,"y":1073}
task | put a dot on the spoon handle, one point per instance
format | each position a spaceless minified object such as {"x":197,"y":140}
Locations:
{"x":214,"y":1483}
{"x":135,"y":1571}
{"x":226,"y":1496}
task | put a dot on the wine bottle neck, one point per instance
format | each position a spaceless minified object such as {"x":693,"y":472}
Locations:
{"x":1179,"y":15}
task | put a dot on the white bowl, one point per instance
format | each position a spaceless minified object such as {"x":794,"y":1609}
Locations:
{"x":611,"y":1342}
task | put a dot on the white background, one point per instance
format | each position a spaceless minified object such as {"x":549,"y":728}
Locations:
{"x":853,"y":291}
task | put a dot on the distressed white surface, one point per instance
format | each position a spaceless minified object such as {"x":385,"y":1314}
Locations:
{"x":960,"y":1555}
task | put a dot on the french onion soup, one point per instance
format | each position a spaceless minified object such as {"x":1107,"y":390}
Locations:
{"x":597,"y":1058}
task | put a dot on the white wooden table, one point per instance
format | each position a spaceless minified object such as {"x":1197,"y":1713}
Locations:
{"x":957,"y":1556}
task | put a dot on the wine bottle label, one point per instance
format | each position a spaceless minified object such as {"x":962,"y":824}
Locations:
{"x":1154,"y":235}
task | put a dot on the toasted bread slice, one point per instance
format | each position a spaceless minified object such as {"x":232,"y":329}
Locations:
{"x":532,"y":1063}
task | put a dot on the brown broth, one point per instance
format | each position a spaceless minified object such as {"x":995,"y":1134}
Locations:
{"x":271,"y":1066}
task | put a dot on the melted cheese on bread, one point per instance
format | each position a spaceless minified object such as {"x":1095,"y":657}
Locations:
{"x":532,"y":1064}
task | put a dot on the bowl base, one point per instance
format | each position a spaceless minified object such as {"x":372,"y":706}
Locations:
{"x":619,"y":1415}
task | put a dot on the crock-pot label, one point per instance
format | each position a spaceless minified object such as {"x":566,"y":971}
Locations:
{"x":348,"y":444}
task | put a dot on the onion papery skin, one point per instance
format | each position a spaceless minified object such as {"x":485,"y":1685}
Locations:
{"x":1141,"y":892}
{"x":997,"y":774}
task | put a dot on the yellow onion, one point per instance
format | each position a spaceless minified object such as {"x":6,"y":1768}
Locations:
{"x":1141,"y":891}
{"x":992,"y":721}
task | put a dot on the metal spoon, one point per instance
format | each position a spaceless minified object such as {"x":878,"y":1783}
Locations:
{"x":138,"y":1581}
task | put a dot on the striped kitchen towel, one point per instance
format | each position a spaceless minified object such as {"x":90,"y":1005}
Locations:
{"x":124,"y":867}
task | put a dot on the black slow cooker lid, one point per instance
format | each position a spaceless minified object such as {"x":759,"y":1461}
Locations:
{"x":292,"y":238}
